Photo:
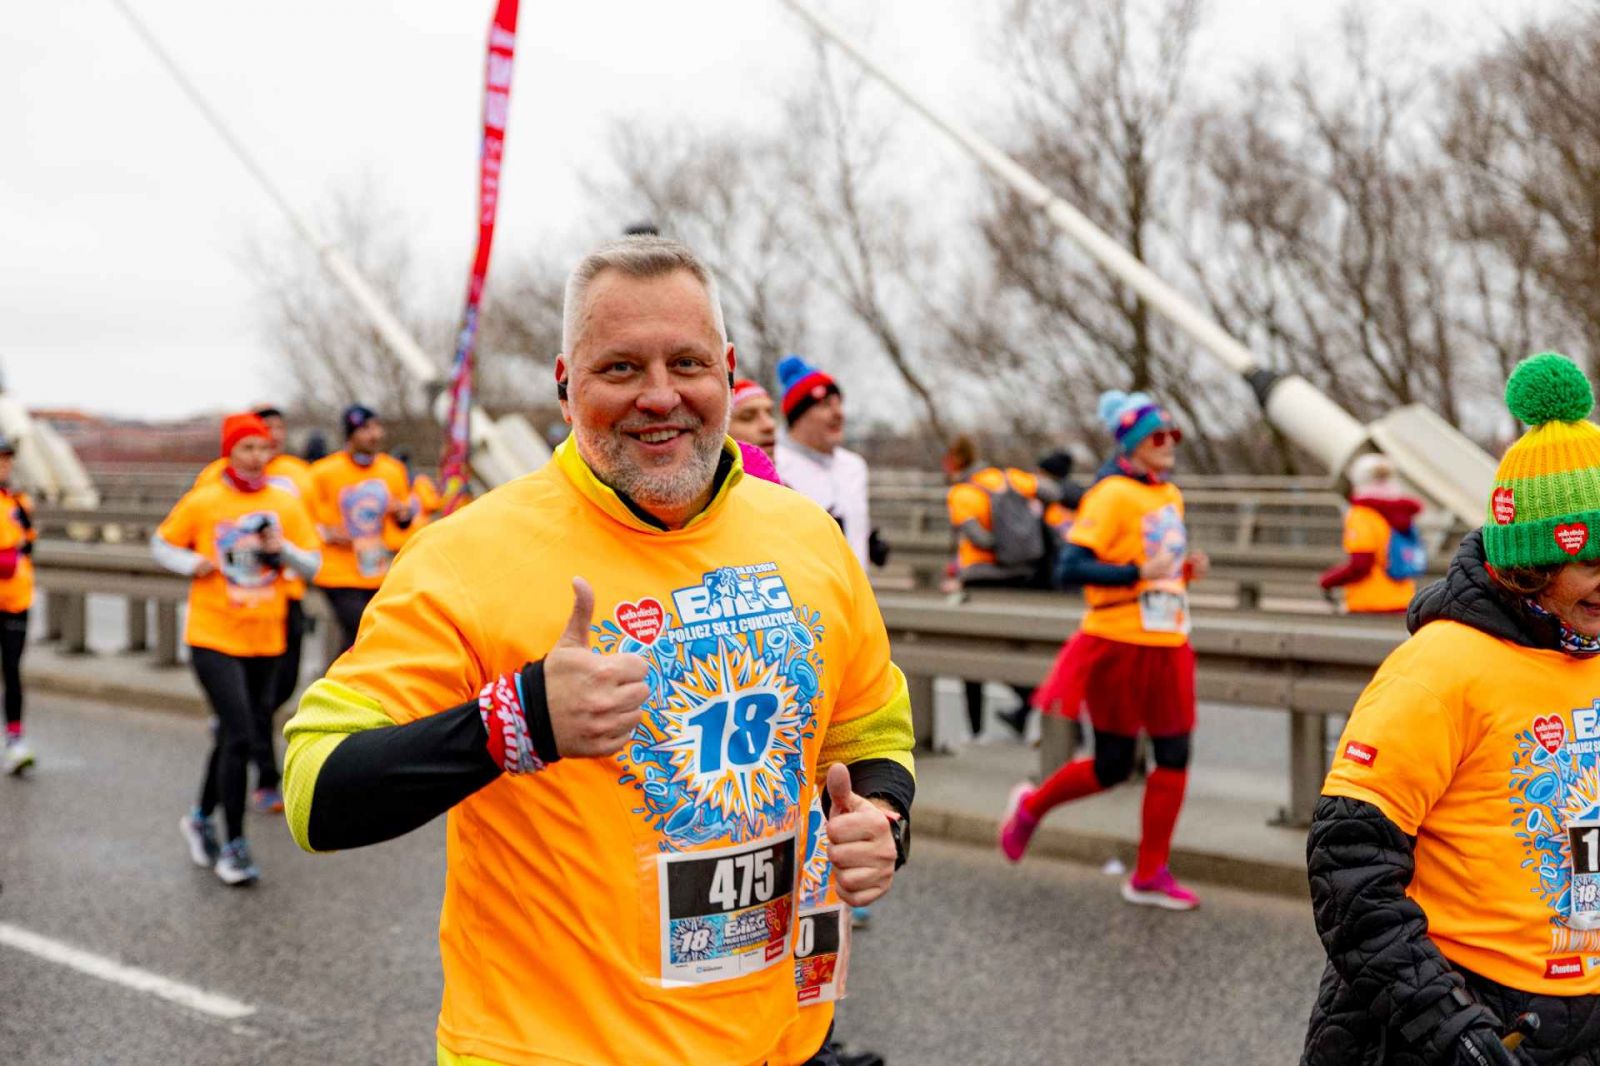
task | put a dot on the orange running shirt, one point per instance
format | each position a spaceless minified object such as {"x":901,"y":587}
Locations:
{"x":241,"y":608}
{"x":635,"y":909}
{"x":290,"y":473}
{"x":1489,"y":754}
{"x":970,"y":499}
{"x":356,"y":499}
{"x":1123,"y":522}
{"x":16,"y":588}
{"x":1365,"y":530}
{"x":425,"y":498}
{"x":1059,"y":517}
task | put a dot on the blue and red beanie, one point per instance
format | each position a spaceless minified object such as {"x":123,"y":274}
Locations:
{"x":1131,"y":417}
{"x":803,"y":385}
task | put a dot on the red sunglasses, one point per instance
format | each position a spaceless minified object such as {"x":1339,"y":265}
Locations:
{"x":1159,"y":437}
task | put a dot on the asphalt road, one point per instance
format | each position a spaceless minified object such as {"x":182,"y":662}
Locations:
{"x":969,"y":962}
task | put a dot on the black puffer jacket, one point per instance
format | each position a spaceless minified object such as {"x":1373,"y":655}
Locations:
{"x":1388,"y":997}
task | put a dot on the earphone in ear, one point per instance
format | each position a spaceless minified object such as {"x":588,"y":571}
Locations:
{"x":730,"y":379}
{"x":561,"y":390}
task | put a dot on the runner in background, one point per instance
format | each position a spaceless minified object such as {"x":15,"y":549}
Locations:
{"x":1454,"y":856}
{"x":752,"y":420}
{"x":234,"y":536}
{"x":1060,"y":512}
{"x":292,"y":474}
{"x":1130,"y":663}
{"x":361,"y":501}
{"x":1380,"y":536}
{"x":16,"y":598}
{"x":1011,"y":555}
{"x":625,"y":828}
{"x":812,"y":461}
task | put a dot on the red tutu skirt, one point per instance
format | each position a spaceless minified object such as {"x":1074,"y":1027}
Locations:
{"x":1124,"y":688}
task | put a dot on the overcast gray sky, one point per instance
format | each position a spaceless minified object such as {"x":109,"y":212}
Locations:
{"x":122,"y":218}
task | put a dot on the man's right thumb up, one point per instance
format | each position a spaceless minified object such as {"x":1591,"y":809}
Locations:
{"x":576,"y":635}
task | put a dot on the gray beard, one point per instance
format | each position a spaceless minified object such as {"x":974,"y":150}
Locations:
{"x":646,"y":487}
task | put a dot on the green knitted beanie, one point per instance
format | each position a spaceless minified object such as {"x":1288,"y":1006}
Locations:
{"x":1545,"y":509}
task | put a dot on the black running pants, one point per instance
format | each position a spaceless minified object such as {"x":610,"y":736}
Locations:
{"x":238,"y":689}
{"x":263,"y":737}
{"x":347,"y":606}
{"x":13,"y":638}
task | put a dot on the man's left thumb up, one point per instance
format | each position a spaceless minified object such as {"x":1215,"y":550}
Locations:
{"x":840,"y":793}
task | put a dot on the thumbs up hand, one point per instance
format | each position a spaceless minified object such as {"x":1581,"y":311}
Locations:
{"x":860,"y":844}
{"x":595,"y":701}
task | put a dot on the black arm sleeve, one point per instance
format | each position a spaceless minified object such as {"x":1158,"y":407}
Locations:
{"x":884,"y":778}
{"x":1376,"y":936}
{"x":1080,"y":566}
{"x":383,"y":783}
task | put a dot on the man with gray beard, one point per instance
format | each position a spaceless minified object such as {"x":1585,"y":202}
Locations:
{"x":625,"y":676}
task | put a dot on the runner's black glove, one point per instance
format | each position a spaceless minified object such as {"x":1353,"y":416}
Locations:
{"x":877,"y":549}
{"x":1481,"y":1046}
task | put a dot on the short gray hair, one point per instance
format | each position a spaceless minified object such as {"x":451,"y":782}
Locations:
{"x":643,"y":256}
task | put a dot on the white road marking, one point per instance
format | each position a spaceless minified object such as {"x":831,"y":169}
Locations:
{"x":128,"y":976}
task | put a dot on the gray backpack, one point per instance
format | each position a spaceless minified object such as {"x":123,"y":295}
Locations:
{"x":1017,"y":526}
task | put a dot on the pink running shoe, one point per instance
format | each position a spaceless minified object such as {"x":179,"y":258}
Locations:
{"x":1017,"y":827}
{"x":1162,"y":890}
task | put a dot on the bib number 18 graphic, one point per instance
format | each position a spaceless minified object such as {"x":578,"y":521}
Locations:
{"x":735,"y":732}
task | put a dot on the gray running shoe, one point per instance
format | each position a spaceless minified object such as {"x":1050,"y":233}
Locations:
{"x":201,"y":837}
{"x":234,"y":866}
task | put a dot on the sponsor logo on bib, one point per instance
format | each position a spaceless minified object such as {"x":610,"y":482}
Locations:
{"x":1550,"y":732}
{"x":1504,"y":505}
{"x":1365,"y":754}
{"x":1572,"y":537}
{"x":1559,"y":969}
{"x":642,"y":620}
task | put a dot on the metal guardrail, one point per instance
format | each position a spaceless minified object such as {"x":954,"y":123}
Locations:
{"x":1308,"y":669}
{"x":68,"y":573}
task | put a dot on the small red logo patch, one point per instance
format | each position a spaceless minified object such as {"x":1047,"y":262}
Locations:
{"x":642,"y":620}
{"x":1365,"y":754}
{"x":774,"y":949}
{"x":1569,"y":966}
{"x":809,"y":993}
{"x":1504,"y":505}
{"x":1572,"y":537}
{"x":1550,"y":732}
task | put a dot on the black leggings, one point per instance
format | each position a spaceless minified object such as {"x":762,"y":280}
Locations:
{"x":1113,"y":755}
{"x":263,"y":746}
{"x":347,"y":606}
{"x":13,"y":638}
{"x":239,"y":688}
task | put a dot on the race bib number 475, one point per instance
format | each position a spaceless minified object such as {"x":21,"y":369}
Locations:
{"x":728,"y":912}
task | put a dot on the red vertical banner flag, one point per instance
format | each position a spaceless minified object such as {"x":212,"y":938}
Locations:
{"x":455,"y":463}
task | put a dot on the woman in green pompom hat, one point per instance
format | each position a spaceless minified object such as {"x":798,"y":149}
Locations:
{"x":1455,"y":853}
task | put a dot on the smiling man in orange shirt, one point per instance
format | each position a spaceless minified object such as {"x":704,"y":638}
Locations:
{"x":624,"y":676}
